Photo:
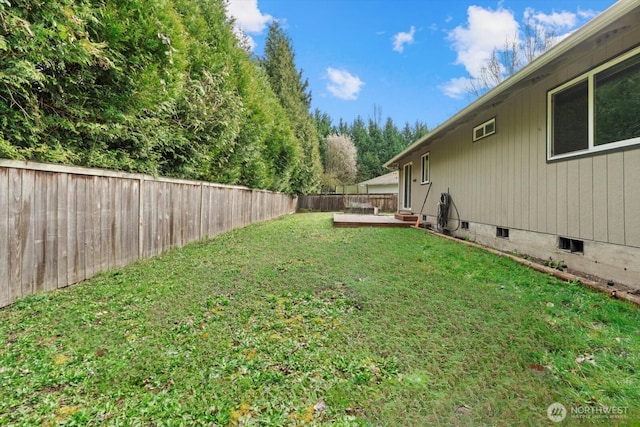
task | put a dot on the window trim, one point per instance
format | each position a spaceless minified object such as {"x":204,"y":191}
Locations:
{"x":588,"y":76}
{"x":406,"y":185}
{"x":422,"y":170}
{"x":483,"y":126}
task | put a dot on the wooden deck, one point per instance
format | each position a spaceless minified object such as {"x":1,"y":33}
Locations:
{"x":355,"y":220}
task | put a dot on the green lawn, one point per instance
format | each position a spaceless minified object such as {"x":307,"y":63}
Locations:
{"x":293,"y":322}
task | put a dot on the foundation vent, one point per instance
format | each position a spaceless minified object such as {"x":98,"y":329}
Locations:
{"x":571,"y":245}
{"x":502,"y":232}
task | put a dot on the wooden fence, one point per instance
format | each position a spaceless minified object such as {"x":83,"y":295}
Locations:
{"x":340,"y":202}
{"x":60,"y":225}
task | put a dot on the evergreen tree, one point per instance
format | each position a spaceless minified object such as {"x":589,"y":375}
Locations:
{"x":287,"y":83}
{"x":377,"y":145}
{"x":144,"y":86}
{"x":324,"y":128}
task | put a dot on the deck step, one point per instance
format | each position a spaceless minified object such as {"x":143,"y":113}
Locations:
{"x":406,"y":216}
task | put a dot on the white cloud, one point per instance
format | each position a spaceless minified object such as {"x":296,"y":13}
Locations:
{"x":486,"y":30}
{"x":553,"y":20}
{"x":557,"y":26}
{"x":402,"y":38}
{"x":248,"y":19}
{"x":587,"y":14}
{"x":456,"y":88}
{"x":342,"y":84}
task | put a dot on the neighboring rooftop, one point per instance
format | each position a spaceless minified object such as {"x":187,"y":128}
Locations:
{"x":386,"y":179}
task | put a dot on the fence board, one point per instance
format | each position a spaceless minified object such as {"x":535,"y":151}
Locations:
{"x":132,"y":235}
{"x":40,"y":230}
{"x":62,"y":229}
{"x":205,"y":208}
{"x":39,"y":199}
{"x":28,"y":232}
{"x":90,"y":253}
{"x":115,"y":193}
{"x":165,"y":206}
{"x":50,"y":280}
{"x":102,"y":192}
{"x":14,"y":237}
{"x":81,"y":221}
{"x":4,"y":243}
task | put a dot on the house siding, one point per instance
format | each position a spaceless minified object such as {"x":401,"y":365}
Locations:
{"x":505,"y":180}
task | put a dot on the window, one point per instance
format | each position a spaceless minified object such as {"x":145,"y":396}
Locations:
{"x":597,"y":111}
{"x":406,"y":191}
{"x":502,"y":232}
{"x":425,"y":169}
{"x":484,"y":130}
{"x":465,"y":225}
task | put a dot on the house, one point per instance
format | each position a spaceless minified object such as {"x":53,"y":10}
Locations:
{"x":548,"y":162}
{"x":383,"y":184}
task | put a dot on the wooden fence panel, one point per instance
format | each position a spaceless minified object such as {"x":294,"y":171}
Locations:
{"x":339,"y":202}
{"x":60,"y":225}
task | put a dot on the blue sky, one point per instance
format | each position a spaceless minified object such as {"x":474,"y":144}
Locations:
{"x":406,"y":59}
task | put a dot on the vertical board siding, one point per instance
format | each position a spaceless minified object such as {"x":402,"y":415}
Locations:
{"x":632,"y":197}
{"x":573,"y":196}
{"x":600,"y":190}
{"x":615,"y":198}
{"x":586,"y":198}
{"x":61,"y":225}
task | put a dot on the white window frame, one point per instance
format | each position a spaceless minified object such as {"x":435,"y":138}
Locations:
{"x":406,"y":185}
{"x":484,"y":126}
{"x":425,"y":178}
{"x":589,"y":76}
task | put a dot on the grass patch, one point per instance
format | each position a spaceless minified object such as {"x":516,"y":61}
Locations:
{"x":293,"y":322}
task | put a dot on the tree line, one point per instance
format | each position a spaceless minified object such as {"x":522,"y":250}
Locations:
{"x":372,"y":141}
{"x":166,"y":88}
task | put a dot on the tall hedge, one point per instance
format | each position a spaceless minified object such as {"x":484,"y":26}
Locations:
{"x":154,"y":86}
